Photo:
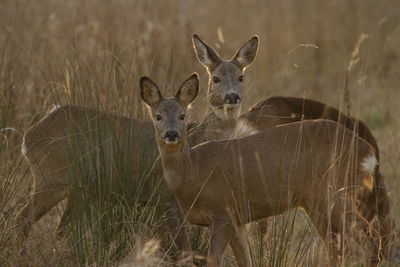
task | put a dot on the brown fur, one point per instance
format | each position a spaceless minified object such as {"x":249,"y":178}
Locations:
{"x":276,"y":111}
{"x":280,"y":110}
{"x":50,"y":161}
{"x":226,"y":184}
{"x":127,"y":144}
{"x":47,"y":144}
{"x":221,"y":119}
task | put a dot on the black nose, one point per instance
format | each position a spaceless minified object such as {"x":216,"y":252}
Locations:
{"x":232,"y":99}
{"x":171,"y":135}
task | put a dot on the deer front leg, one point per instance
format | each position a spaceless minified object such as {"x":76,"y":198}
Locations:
{"x":177,"y":227}
{"x":240,"y":247}
{"x":221,"y":232}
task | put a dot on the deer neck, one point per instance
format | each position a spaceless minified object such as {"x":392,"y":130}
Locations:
{"x":177,"y":166}
{"x":217,"y":128}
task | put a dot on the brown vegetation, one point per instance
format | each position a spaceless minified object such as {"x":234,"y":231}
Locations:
{"x":91,"y":53}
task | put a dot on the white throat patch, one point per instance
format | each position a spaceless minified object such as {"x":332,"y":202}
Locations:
{"x":172,"y":178}
{"x":228,"y":111}
{"x":171,"y":142}
{"x":244,"y":129}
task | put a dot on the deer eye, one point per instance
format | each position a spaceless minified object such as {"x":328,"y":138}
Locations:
{"x":215,"y":79}
{"x":158,"y":117}
{"x":182,"y":117}
{"x":241,"y":78}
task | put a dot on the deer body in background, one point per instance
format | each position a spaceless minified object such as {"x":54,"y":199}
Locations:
{"x":318,"y":165}
{"x":279,"y":110}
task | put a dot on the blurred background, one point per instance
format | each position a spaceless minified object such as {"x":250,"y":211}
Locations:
{"x":92,"y":53}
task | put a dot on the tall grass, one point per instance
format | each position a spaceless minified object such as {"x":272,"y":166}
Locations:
{"x":91,"y":53}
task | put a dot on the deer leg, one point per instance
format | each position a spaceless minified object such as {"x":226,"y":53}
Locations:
{"x":346,"y":222}
{"x":364,"y":233}
{"x":385,"y":236}
{"x":328,"y":233}
{"x":221,"y":232}
{"x":177,"y":227}
{"x":65,"y":218}
{"x":41,"y":201}
{"x":262,"y":232}
{"x":263,"y":227}
{"x":240,"y":247}
{"x":377,"y":204}
{"x":351,"y":223}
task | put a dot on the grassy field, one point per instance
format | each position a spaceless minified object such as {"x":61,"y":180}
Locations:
{"x":92,"y":53}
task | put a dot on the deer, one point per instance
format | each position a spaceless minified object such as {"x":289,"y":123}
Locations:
{"x":225,"y":87}
{"x":49,"y":146}
{"x":227,"y":184}
{"x":279,"y":110}
{"x":47,"y":149}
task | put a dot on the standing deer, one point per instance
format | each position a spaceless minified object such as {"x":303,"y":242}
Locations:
{"x":279,"y":110}
{"x":225,"y":86}
{"x":105,"y":141}
{"x":226,"y":184}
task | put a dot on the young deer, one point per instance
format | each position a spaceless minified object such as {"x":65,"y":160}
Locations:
{"x":319,"y":166}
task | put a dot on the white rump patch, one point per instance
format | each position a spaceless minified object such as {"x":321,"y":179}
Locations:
{"x":369,"y":163}
{"x":244,"y":129}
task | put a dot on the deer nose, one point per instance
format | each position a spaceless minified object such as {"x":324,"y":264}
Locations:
{"x":232,"y":98}
{"x":171,"y":136}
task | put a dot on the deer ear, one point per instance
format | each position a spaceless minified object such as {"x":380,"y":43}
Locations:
{"x":149,"y":91}
{"x":189,"y":89}
{"x":207,"y":57}
{"x":247,"y":53}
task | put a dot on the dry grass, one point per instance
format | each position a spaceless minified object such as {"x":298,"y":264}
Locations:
{"x":92,"y":53}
